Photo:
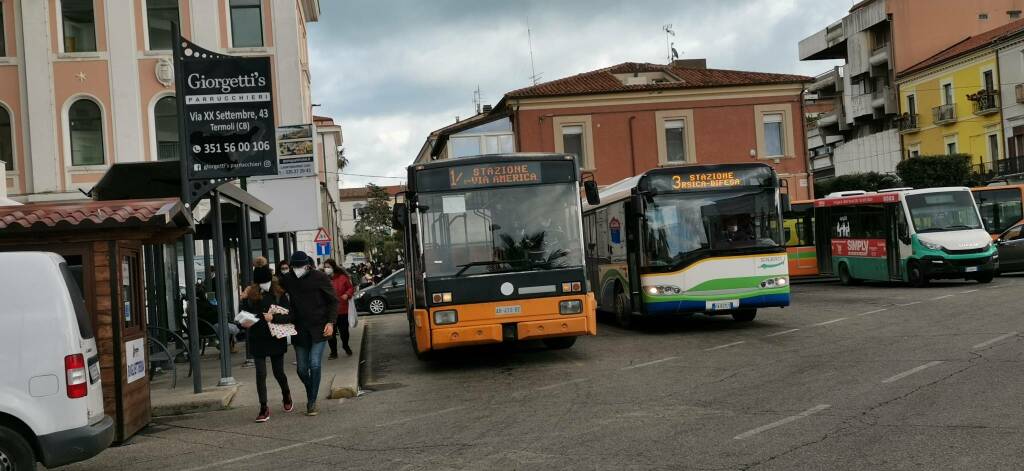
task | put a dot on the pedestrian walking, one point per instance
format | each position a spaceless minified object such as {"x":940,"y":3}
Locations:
{"x":314,"y":307}
{"x":260,"y":297}
{"x":343,"y":289}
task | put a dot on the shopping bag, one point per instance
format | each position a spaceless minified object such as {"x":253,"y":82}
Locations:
{"x":280,"y":331}
{"x":353,"y":318}
{"x":246,"y":319}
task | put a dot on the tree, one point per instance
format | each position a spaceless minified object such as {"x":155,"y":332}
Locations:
{"x":381,"y":243}
{"x":929,"y":171}
{"x":867,"y":181}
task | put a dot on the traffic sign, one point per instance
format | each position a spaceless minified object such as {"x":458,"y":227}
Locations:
{"x":321,"y":236}
{"x":323,"y":249}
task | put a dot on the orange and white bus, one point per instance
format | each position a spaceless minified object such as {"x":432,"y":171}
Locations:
{"x":798,"y":233}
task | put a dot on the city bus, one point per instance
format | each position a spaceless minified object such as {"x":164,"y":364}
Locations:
{"x":495,"y":251}
{"x":1000,"y":207}
{"x":798,"y":234}
{"x":688,"y":239}
{"x":903,"y":235}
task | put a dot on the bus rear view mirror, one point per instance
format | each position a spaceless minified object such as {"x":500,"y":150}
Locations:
{"x":398,"y":216}
{"x":787,"y":204}
{"x":636,"y":204}
{"x":590,"y":188}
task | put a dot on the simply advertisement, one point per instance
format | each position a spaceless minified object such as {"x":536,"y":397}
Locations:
{"x":229,"y":115}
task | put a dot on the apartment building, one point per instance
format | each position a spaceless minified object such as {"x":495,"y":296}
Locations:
{"x":353,"y":200}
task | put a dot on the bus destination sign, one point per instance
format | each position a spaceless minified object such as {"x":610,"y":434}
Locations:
{"x":707,"y":180}
{"x":496,"y":174}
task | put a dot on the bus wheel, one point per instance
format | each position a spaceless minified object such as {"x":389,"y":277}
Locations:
{"x":744,"y":315}
{"x":422,"y":356}
{"x":985,"y":277}
{"x":623,"y":316}
{"x":845,"y":278}
{"x":916,"y":276}
{"x":559,"y":343}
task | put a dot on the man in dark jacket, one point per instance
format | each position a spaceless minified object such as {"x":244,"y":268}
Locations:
{"x":313,"y":308}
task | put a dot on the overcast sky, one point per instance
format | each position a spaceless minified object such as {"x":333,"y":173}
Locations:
{"x":392,"y":71}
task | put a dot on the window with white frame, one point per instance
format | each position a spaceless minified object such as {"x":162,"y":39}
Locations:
{"x":85,"y":130}
{"x":6,"y":139}
{"x":675,"y":140}
{"x":774,"y":145}
{"x":951,"y":144}
{"x":357,"y":211}
{"x":572,"y":141}
{"x":993,"y":147}
{"x":914,"y":151}
{"x":78,"y":22}
{"x":159,"y":16}
{"x":246,"y":23}
{"x":165,"y":127}
{"x":947,"y":93}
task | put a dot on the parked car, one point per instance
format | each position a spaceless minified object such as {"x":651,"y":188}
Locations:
{"x":388,"y":294}
{"x":51,"y":397}
{"x":1011,"y":249}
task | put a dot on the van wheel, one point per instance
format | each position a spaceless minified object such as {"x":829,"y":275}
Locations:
{"x":623,"y":314}
{"x":845,"y":278}
{"x":378,"y":306}
{"x":744,"y":315}
{"x":916,"y":275}
{"x":15,"y":453}
{"x":559,"y":343}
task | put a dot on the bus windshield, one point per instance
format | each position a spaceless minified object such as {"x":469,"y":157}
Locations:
{"x":680,"y":224}
{"x":945,"y":211}
{"x":496,"y":230}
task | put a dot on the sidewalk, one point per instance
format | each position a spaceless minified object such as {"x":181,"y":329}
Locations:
{"x":340,"y":378}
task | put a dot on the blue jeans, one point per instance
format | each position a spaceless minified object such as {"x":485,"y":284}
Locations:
{"x":308,"y":361}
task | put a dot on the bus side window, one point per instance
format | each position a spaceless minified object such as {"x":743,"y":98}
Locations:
{"x":902,"y":228}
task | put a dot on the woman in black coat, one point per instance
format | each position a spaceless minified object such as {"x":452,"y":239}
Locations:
{"x":257,"y":300}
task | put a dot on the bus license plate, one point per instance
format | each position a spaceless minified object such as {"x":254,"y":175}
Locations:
{"x":508,"y":310}
{"x":722,"y":305}
{"x":971,"y":269}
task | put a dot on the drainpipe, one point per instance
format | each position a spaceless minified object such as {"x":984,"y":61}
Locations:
{"x":632,"y":155}
{"x":1002,"y":122}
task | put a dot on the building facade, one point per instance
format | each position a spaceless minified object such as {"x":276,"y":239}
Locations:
{"x":632,"y":117}
{"x":1011,"y":101}
{"x":484,"y":133}
{"x":353,"y":200}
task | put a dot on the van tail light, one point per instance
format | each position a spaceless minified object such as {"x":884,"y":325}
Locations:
{"x":78,"y":380}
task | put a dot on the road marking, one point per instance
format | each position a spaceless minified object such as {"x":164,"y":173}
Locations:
{"x":943,"y":297}
{"x":779,"y":423}
{"x":655,"y":362}
{"x":724,"y":346}
{"x":262,"y":453}
{"x":876,"y":311}
{"x":784,"y":332}
{"x":990,"y":342}
{"x":833,"y":321}
{"x":558,"y":385}
{"x":908,"y":304}
{"x":423,"y":416}
{"x":969,"y":291}
{"x":911,"y":371}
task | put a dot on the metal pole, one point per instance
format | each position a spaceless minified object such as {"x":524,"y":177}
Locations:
{"x":264,"y":238}
{"x":222,"y":291}
{"x":277,"y":247}
{"x":206,"y":258}
{"x":245,"y":260}
{"x":189,"y":242}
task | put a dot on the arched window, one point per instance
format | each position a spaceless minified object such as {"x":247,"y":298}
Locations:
{"x":165,"y":125}
{"x":85,"y":126}
{"x":6,"y":139}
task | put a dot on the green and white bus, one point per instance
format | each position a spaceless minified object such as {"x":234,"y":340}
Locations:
{"x":688,"y":239}
{"x":903,"y":235}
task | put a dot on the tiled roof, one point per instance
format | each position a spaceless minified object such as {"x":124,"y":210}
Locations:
{"x":91,"y":214}
{"x":604,"y":80}
{"x":968,"y":44}
{"x":361,"y":192}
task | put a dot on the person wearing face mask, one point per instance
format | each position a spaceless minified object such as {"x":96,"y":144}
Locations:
{"x":344,"y":290}
{"x":258,"y":299}
{"x":314,"y":308}
{"x":282,"y":268}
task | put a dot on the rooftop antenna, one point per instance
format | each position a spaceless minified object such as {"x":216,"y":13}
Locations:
{"x":534,"y":76}
{"x":668,"y":45}
{"x":477,"y":99}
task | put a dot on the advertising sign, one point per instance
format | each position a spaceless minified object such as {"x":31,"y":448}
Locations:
{"x":229,"y":114}
{"x":874,"y":248}
{"x":135,"y":359}
{"x":295,"y":151}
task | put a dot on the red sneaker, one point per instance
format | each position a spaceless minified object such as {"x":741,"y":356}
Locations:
{"x":264,"y":415}
{"x":288,"y":405}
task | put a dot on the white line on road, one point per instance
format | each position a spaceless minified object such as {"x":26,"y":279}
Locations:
{"x":262,"y":453}
{"x":423,"y":416}
{"x":969,"y":291}
{"x":655,"y":362}
{"x":779,"y":423}
{"x":990,"y":342}
{"x":908,"y":304}
{"x":784,"y":332}
{"x":724,"y":346}
{"x":558,"y":385}
{"x":943,"y":297}
{"x":833,"y":321}
{"x":911,"y":371}
{"x":876,"y":311}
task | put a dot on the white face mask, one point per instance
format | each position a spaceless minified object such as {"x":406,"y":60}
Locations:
{"x":329,"y":271}
{"x":265,"y":286}
{"x":300,"y":272}
{"x":284,"y":270}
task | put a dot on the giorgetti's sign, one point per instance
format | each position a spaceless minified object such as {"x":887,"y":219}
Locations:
{"x":229,"y":114}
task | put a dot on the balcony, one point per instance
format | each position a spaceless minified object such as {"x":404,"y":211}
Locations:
{"x":1000,"y":168}
{"x":944,"y":114}
{"x":986,"y":102}
{"x":879,"y":56}
{"x":908,"y":123}
{"x":1019,"y":91}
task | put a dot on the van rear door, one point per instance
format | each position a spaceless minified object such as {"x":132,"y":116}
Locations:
{"x":88,"y":345}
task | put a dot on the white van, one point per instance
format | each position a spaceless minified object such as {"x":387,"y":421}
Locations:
{"x":51,"y":399}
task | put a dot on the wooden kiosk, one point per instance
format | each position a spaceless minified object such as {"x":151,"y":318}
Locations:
{"x":102,"y":242}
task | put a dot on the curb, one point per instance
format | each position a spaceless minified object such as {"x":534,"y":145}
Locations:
{"x":346,"y":383}
{"x":212,"y":400}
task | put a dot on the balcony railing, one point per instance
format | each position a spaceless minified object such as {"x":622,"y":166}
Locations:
{"x":1001,"y":167}
{"x":985,"y":102}
{"x":944,"y":114}
{"x":908,"y":122}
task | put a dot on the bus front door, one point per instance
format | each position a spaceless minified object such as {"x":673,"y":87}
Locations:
{"x":893,"y":217}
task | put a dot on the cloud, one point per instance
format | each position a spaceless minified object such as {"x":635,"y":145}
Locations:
{"x":392,"y":71}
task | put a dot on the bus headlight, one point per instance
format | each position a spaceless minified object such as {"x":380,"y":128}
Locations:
{"x":663,"y":290}
{"x":775,"y":283}
{"x":572,"y":306}
{"x":445,"y":317}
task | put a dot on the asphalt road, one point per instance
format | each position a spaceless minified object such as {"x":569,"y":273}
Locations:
{"x":869,"y":377}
